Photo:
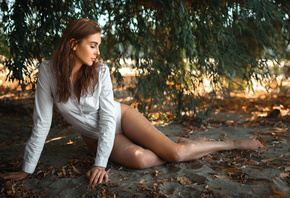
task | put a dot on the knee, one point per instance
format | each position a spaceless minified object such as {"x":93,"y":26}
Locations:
{"x":141,"y":161}
{"x":141,"y":164}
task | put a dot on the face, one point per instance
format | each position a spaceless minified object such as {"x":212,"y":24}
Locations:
{"x":87,"y":50}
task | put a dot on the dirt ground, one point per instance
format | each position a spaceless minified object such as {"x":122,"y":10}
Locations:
{"x":65,"y":158}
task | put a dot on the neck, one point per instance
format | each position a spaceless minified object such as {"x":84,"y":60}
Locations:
{"x":75,"y":72}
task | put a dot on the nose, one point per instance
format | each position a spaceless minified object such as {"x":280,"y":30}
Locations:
{"x":97,"y":51}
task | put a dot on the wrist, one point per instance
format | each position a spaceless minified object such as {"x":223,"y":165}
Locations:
{"x":98,"y":167}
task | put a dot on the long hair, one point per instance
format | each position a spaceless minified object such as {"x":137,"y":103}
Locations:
{"x":64,"y":62}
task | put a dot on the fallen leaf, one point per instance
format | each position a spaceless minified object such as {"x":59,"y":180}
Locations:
{"x":143,"y":187}
{"x":74,"y":160}
{"x":166,"y":180}
{"x":252,"y":163}
{"x":184,"y":180}
{"x":46,"y":173}
{"x":221,"y":176}
{"x":76,"y":170}
{"x":63,"y":171}
{"x":13,"y":189}
{"x":284,"y":175}
{"x":70,"y":142}
{"x":271,"y":159}
{"x":219,"y":188}
{"x":279,"y":193}
{"x":13,"y":163}
{"x":230,"y":123}
{"x":156,"y":171}
{"x":113,"y":184}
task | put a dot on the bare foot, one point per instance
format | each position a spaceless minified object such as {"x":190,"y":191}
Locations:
{"x":184,"y":140}
{"x":248,"y":144}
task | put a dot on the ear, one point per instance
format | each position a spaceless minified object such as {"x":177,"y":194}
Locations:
{"x":73,"y":44}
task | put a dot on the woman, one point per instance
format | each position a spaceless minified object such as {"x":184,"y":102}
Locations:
{"x":82,"y":90}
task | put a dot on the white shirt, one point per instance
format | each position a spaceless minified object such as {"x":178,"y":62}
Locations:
{"x":93,"y":117}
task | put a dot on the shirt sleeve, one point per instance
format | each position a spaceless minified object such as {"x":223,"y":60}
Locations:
{"x":42,"y":117}
{"x":107,"y":123}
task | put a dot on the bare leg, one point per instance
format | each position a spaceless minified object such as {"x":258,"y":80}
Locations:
{"x":141,"y":132}
{"x":246,"y":144}
{"x":127,"y":153}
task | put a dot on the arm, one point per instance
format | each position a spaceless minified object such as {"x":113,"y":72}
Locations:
{"x":42,"y":117}
{"x":107,"y":123}
{"x":107,"y":128}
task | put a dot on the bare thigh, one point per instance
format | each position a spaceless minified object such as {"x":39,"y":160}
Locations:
{"x":140,"y":131}
{"x":92,"y":143}
{"x":127,"y":153}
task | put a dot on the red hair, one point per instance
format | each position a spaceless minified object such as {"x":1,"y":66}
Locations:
{"x":63,"y":61}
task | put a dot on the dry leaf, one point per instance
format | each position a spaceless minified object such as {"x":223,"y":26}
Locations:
{"x":279,"y":193}
{"x":63,"y":171}
{"x":184,"y":180}
{"x":230,"y":123}
{"x":166,"y":180}
{"x":143,"y":187}
{"x":113,"y":184}
{"x":284,"y":175}
{"x":70,"y":142}
{"x":252,"y":163}
{"x":156,"y":171}
{"x":271,"y":159}
{"x":47,"y":173}
{"x":76,"y":170}
{"x":221,"y":176}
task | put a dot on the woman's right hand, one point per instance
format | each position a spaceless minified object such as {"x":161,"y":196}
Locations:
{"x":14,"y":175}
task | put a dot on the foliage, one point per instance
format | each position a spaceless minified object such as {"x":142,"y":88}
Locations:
{"x":172,"y":43}
{"x":3,"y":48}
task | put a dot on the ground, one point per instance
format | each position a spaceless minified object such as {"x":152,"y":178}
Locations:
{"x":65,"y":158}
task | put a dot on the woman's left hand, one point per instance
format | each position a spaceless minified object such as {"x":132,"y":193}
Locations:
{"x":97,"y":175}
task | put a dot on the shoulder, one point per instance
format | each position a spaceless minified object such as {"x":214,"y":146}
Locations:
{"x":103,"y":69}
{"x":46,"y":66}
{"x":46,"y":69}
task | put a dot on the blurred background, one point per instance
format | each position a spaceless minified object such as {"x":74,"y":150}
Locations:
{"x":171,"y":59}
